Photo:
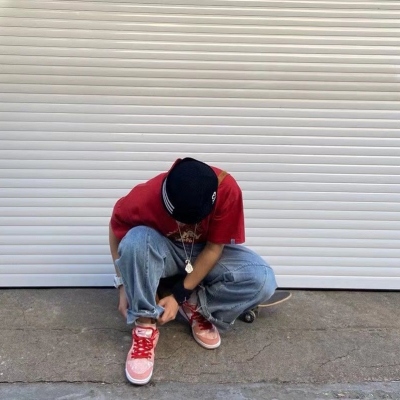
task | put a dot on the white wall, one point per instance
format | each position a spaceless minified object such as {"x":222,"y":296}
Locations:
{"x":298,"y":100}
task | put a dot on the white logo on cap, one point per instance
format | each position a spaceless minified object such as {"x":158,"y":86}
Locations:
{"x":214,"y":196}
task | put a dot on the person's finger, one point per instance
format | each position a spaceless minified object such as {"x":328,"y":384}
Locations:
{"x":164,"y":301}
{"x":163,"y":319}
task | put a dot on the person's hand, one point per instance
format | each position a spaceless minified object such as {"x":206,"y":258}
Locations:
{"x":123,"y":302}
{"x":171,"y":308}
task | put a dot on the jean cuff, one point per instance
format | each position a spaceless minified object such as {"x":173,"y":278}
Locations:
{"x":155,"y":314}
{"x":221,"y":325}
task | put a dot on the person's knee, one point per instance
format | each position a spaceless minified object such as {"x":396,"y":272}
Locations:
{"x":135,"y":238}
{"x":263,"y":282}
{"x":138,"y":244}
{"x":268,"y":285}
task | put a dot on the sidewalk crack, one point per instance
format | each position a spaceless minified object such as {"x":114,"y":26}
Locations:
{"x":338,"y":358}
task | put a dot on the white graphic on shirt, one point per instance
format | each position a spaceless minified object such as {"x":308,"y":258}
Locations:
{"x":187,"y":236}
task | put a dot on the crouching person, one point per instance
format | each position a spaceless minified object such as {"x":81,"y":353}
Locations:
{"x":186,"y":223}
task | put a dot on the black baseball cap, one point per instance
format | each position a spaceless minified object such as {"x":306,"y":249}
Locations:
{"x":189,"y":190}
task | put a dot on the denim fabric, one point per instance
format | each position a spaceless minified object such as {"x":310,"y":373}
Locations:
{"x":239,"y":281}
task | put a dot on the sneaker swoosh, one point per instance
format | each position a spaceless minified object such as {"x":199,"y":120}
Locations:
{"x":143,"y":332}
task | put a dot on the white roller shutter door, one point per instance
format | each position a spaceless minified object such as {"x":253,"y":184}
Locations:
{"x":299,"y":100}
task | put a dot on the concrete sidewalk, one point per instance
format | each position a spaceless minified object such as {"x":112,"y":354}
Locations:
{"x":72,"y":343}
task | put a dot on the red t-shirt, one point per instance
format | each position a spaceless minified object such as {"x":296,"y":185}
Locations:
{"x":143,"y":206}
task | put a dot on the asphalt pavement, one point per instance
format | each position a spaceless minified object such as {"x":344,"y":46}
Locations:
{"x":71,"y":343}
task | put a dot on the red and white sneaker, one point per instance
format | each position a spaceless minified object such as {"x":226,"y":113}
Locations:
{"x":204,"y":332}
{"x":140,"y":360}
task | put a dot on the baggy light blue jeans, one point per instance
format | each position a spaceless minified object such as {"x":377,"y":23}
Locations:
{"x":240,"y":280}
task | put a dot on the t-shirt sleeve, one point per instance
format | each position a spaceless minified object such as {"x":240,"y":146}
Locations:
{"x":123,"y":216}
{"x":141,"y":206}
{"x":227,"y":222}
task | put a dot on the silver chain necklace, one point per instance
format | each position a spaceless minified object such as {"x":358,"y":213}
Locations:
{"x":188,"y":261}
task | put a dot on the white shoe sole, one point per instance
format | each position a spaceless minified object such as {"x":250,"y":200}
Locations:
{"x":138,"y":381}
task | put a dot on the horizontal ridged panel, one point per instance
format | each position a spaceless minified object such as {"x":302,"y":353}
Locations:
{"x":202,"y":102}
{"x":299,"y":100}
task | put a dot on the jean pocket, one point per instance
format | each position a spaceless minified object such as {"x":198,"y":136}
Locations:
{"x":242,"y":275}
